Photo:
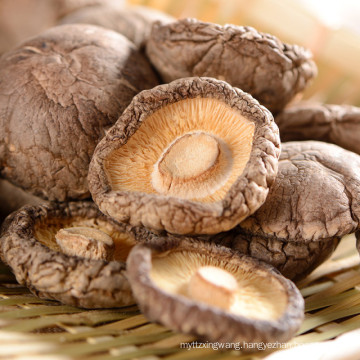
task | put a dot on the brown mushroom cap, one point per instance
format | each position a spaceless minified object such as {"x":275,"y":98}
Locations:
{"x":266,"y":307}
{"x":255,"y":62}
{"x":294,"y":259}
{"x":134,"y":22}
{"x":195,"y":156}
{"x":314,"y":201}
{"x":29,"y":247}
{"x":337,"y":124}
{"x":59,"y":92}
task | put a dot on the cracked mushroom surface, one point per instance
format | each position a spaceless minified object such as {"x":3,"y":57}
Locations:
{"x":69,"y":252}
{"x":59,"y":93}
{"x":258,"y":63}
{"x":337,"y":124}
{"x":134,"y":22}
{"x":314,"y":201}
{"x":195,"y":156}
{"x":210,"y":291}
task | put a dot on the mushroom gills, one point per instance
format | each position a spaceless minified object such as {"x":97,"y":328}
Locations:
{"x":89,"y":238}
{"x":193,"y":149}
{"x":213,"y":281}
{"x":72,"y":276}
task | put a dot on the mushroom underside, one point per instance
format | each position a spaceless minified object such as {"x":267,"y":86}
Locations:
{"x":211,"y":292}
{"x":29,"y":246}
{"x":195,"y":156}
{"x":186,"y":150}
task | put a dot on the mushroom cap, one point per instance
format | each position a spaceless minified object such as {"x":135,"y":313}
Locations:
{"x":124,"y":188}
{"x":257,"y":63}
{"x":267,"y":308}
{"x":59,"y":92}
{"x":134,"y":22}
{"x":28,"y":246}
{"x":316,"y":194}
{"x":294,"y":259}
{"x":313,"y":202}
{"x":337,"y":124}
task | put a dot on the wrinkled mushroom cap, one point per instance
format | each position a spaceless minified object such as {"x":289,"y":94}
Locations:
{"x":190,"y":157}
{"x":266,"y":307}
{"x":313,"y":202}
{"x":294,"y":259}
{"x":315,"y":194}
{"x":59,"y":92}
{"x":134,"y":22}
{"x":29,"y":246}
{"x":257,"y":63}
{"x":336,"y":124}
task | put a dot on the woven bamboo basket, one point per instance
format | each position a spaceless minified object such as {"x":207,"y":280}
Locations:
{"x":31,"y":328}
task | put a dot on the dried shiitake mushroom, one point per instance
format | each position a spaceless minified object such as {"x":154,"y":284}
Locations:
{"x":134,"y":22}
{"x":69,"y":252}
{"x":59,"y":92}
{"x":13,"y":198}
{"x":190,"y":157}
{"x":207,"y":290}
{"x":314,"y":201}
{"x":255,"y":62}
{"x":337,"y":124}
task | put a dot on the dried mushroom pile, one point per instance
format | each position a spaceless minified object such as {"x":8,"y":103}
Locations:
{"x":200,"y":214}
